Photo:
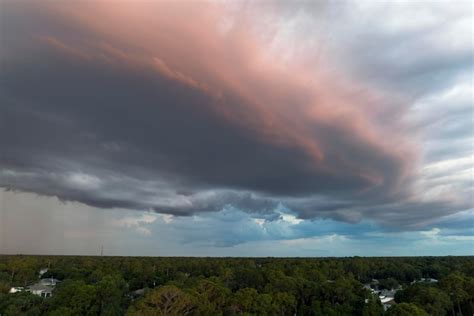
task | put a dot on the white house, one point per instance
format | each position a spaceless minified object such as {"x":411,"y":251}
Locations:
{"x":49,"y":281}
{"x":425,"y":280}
{"x":43,"y":288}
{"x":387,"y":302}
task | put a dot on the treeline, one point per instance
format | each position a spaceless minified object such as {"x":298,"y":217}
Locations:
{"x":237,"y":286}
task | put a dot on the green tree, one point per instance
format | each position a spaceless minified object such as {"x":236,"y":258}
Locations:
{"x":22,"y":303}
{"x":111,"y":292}
{"x":433,"y":300}
{"x":4,"y":286}
{"x":405,"y":309}
{"x":453,"y":284}
{"x":76,"y":295}
{"x":388,"y":283}
{"x":284,"y":303}
{"x":373,"y":307}
{"x":164,"y":301}
{"x":61,"y":311}
{"x":244,"y":299}
{"x":211,"y":297}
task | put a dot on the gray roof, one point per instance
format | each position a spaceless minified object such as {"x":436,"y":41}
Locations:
{"x":49,"y":281}
{"x":138,"y":292}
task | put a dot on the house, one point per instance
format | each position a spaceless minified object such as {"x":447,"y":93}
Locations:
{"x":43,"y":288}
{"x":387,"y":302}
{"x":387,"y":293}
{"x":137,"y":293}
{"x":387,"y":297}
{"x":425,"y":280}
{"x":49,"y":281}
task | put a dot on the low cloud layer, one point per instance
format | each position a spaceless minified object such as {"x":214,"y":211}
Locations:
{"x":189,"y":108}
{"x":40,"y":225}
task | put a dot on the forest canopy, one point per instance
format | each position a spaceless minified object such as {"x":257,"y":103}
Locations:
{"x":237,"y":286}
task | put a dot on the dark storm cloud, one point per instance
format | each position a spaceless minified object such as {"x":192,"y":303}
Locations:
{"x":183,"y":126}
{"x":75,"y":112}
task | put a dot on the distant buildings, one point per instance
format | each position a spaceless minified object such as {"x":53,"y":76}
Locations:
{"x":137,"y":293}
{"x":387,"y":302}
{"x":425,"y":280}
{"x":43,"y":288}
{"x":386,"y":297}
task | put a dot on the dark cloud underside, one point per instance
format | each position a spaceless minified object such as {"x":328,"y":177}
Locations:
{"x":89,"y":115}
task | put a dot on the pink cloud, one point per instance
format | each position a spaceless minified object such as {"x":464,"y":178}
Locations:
{"x":322,"y":115}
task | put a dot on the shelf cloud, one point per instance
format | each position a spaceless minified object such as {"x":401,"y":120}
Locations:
{"x":189,"y":108}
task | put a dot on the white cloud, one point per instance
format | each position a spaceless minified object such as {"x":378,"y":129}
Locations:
{"x":167,"y":218}
{"x":289,"y":218}
{"x":82,"y":181}
{"x":313,"y":241}
{"x":433,"y":233}
{"x":139,"y":223}
{"x":259,"y":221}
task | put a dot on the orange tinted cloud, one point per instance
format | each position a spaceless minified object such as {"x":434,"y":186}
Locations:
{"x":327,"y":120}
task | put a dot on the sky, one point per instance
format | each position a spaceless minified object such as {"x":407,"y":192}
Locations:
{"x":235,"y":128}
